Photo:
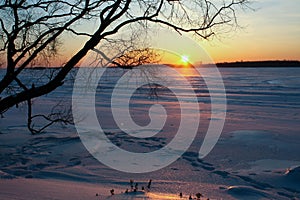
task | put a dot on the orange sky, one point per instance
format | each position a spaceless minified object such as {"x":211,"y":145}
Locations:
{"x":271,"y":32}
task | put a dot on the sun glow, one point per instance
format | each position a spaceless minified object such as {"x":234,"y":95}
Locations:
{"x":185,"y":59}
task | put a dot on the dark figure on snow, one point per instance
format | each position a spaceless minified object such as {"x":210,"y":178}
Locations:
{"x":149,"y":184}
{"x":112,"y":191}
{"x":199,"y":195}
{"x":180,"y":194}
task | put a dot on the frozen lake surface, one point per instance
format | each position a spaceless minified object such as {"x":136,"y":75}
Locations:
{"x":256,"y":156}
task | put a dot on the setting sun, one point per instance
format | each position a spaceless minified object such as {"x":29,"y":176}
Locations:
{"x":185,"y":59}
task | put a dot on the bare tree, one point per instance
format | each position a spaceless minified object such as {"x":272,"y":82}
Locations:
{"x":31,"y":31}
{"x":137,"y":57}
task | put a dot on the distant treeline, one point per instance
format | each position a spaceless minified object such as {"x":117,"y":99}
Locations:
{"x":276,"y":63}
{"x":272,"y":63}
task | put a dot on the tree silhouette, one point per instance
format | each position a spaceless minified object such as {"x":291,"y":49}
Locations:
{"x":31,"y":32}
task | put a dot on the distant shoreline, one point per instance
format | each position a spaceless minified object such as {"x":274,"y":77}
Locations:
{"x":256,"y":64}
{"x":236,"y":64}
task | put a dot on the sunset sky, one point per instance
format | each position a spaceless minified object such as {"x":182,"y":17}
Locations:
{"x":269,"y":32}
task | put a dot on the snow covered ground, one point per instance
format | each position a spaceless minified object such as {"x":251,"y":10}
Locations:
{"x":256,"y":157}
